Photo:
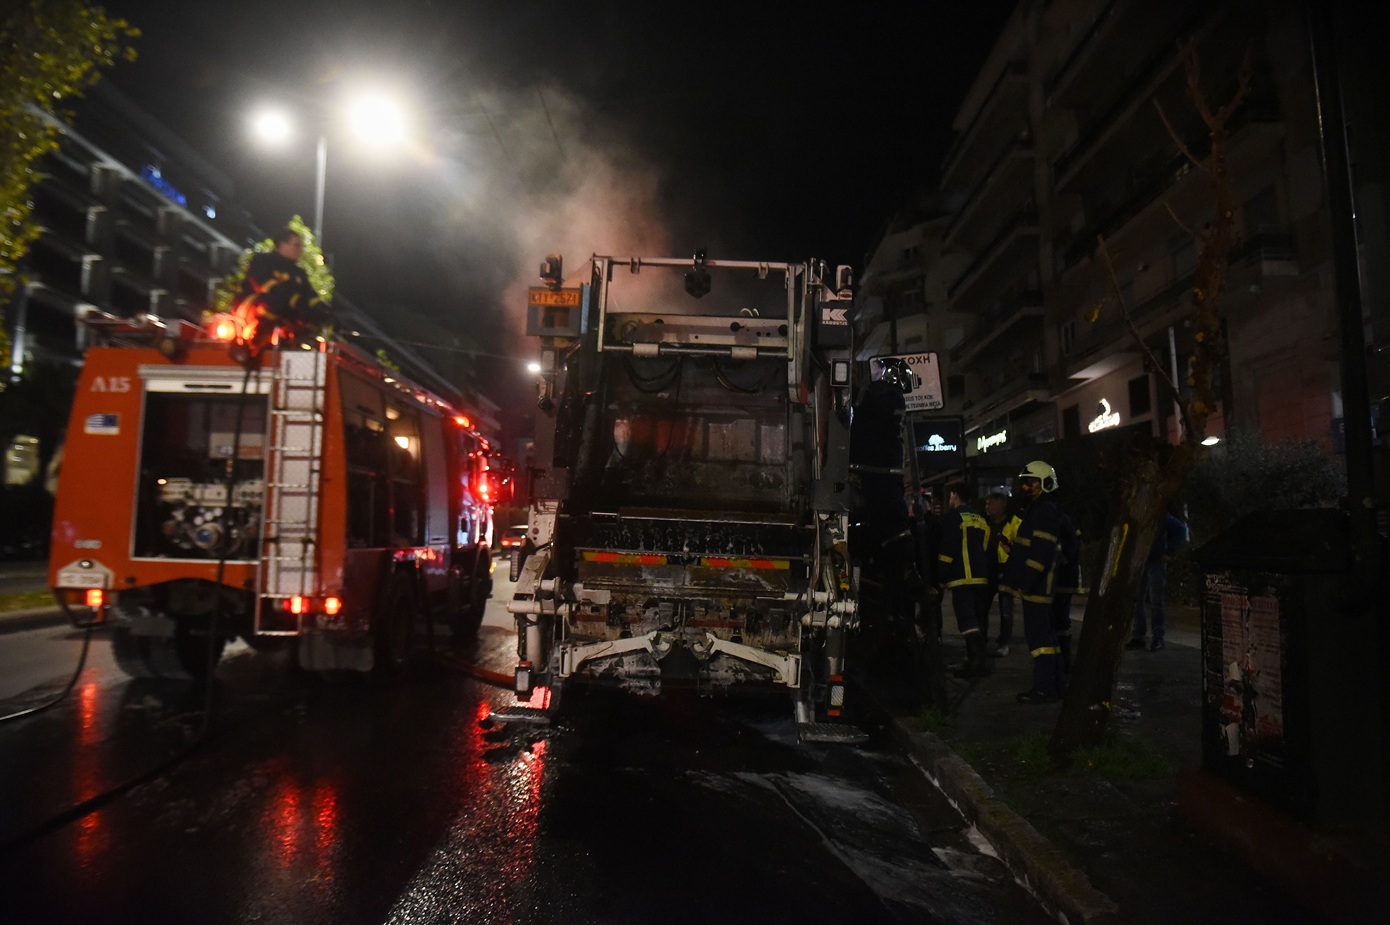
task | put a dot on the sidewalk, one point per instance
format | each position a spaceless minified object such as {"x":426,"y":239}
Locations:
{"x":1106,"y":849}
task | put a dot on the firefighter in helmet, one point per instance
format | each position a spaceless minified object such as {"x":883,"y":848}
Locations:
{"x":280,"y":298}
{"x":1030,"y":575}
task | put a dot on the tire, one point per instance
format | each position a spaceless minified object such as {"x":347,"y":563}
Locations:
{"x":468,"y":616}
{"x":395,"y":625}
{"x":126,"y":649}
{"x":182,"y":656}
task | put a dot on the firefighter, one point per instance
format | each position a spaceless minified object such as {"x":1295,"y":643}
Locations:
{"x":883,"y":534}
{"x":280,"y":298}
{"x":1030,"y":575}
{"x":964,"y":571}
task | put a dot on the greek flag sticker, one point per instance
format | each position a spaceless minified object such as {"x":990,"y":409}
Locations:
{"x":102,"y":424}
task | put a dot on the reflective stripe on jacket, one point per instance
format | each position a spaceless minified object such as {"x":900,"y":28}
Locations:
{"x":1031,"y":570}
{"x":964,"y":540}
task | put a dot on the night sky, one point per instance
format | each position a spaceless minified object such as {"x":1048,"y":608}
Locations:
{"x":755,"y":131}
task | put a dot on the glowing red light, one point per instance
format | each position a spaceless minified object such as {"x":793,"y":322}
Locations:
{"x":95,"y":597}
{"x":331,"y":605}
{"x":297,"y":605}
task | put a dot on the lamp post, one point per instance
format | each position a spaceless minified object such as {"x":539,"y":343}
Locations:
{"x":373,"y":118}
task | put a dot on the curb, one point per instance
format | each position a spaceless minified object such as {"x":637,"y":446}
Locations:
{"x":1064,"y":891}
{"x":15,"y":621}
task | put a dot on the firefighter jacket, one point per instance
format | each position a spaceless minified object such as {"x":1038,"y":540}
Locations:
{"x":280,"y":291}
{"x":1030,"y":573}
{"x":1001,"y":538}
{"x":963,"y":558}
{"x":1069,"y":580}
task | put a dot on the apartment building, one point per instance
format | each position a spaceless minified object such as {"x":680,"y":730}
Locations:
{"x":1073,"y":134}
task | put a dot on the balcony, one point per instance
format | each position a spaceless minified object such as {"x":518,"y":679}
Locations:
{"x":1005,"y":107}
{"x":1016,"y":394}
{"x":1253,"y":132}
{"x":1013,"y":253}
{"x":1008,"y":182}
{"x":1119,"y":34}
{"x":1269,"y":253}
{"x":1008,"y":315}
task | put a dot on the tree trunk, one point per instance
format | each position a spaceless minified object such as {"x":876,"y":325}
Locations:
{"x":1151,"y":483}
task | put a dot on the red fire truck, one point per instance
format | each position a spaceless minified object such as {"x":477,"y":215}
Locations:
{"x":317,"y":496}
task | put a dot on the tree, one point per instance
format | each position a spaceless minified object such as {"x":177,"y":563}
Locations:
{"x":1150,"y":473}
{"x":51,"y":51}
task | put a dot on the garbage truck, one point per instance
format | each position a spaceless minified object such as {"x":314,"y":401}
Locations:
{"x":690,"y":499}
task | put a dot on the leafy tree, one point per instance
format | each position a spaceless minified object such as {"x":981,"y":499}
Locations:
{"x":1150,"y":474}
{"x":51,"y":51}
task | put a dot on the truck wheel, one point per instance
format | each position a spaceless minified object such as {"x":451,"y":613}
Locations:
{"x":180,"y":657}
{"x":468,"y":617}
{"x":395,"y":623}
{"x":126,"y":649}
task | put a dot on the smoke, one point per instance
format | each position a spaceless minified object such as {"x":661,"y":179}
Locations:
{"x":530,"y":173}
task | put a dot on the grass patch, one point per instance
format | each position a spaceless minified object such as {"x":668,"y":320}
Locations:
{"x":25,"y":600}
{"x":1123,"y":758}
{"x":1026,"y":760}
{"x":930,"y":719}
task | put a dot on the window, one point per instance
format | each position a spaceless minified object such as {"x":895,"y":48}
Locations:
{"x":1066,"y":336}
{"x":1140,"y":401}
{"x":1071,"y":421}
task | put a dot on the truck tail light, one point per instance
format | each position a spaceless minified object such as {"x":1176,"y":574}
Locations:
{"x":95,"y":598}
{"x":297,"y":605}
{"x":837,"y":695}
{"x":331,"y":605}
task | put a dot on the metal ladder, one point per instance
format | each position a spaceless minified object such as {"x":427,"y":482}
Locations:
{"x":289,"y":516}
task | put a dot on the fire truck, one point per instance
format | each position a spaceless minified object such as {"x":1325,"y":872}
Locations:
{"x":689,"y":510}
{"x":316,"y":495}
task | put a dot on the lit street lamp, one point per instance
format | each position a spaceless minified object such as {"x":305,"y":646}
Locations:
{"x":373,"y":118}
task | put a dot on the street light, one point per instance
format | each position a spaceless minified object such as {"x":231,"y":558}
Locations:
{"x":374,"y":118}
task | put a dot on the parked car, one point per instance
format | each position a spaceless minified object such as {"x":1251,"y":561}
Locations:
{"x":514,"y":537}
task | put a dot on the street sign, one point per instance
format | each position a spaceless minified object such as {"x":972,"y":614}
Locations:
{"x":923,"y":373}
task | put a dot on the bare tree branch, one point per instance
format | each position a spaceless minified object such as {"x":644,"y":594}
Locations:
{"x":1150,"y":361}
{"x":1177,"y":139}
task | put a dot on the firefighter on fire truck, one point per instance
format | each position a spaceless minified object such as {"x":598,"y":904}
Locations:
{"x":277,"y":297}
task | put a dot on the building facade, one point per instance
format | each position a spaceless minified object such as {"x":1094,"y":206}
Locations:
{"x":1068,"y":215}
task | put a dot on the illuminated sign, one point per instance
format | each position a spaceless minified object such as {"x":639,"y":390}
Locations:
{"x":1104,"y":417}
{"x":985,"y":442}
{"x":154,"y":178}
{"x":937,"y":444}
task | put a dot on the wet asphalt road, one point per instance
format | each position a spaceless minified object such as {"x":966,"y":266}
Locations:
{"x":361,"y":801}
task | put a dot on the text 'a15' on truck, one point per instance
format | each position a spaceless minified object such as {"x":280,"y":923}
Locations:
{"x":688,"y":517}
{"x":318,"y":497}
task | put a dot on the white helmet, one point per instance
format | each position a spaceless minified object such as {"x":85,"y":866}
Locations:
{"x":1037,"y":469}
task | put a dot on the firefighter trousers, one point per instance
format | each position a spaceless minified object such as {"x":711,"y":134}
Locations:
{"x":1042,"y":644}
